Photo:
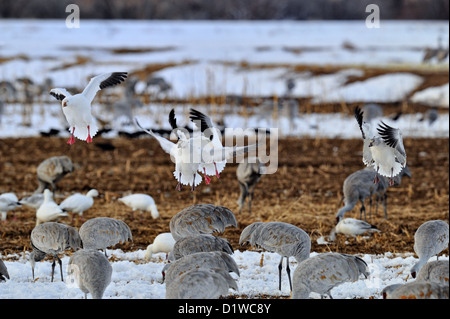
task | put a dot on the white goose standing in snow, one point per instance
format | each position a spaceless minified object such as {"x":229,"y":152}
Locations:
{"x":77,"y":108}
{"x":384,"y":152}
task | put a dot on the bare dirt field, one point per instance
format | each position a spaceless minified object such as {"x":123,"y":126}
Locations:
{"x":305,"y":190}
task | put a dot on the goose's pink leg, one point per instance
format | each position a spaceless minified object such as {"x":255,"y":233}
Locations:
{"x":71,"y":139}
{"x":217,"y":173}
{"x":178,"y":188}
{"x":89,"y":138}
{"x":207,"y":179}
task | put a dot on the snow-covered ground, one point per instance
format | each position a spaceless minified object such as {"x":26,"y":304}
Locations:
{"x":143,"y":280}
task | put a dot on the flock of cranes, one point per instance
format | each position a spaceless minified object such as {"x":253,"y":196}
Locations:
{"x":200,"y":260}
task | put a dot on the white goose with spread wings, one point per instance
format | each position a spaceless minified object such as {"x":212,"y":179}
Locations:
{"x":77,"y":108}
{"x":383,"y":151}
{"x":186,"y":154}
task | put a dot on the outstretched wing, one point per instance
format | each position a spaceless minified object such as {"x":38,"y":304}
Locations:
{"x":206,"y":125}
{"x":393,"y":138}
{"x":359,"y":119}
{"x":165,"y":144}
{"x":227,"y":153}
{"x":102,"y":81}
{"x":59,"y":93}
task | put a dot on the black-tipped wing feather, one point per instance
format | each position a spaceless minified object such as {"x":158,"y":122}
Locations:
{"x":172,"y":119}
{"x":59,"y":97}
{"x":359,"y":119}
{"x":115,"y":78}
{"x":389,"y":134}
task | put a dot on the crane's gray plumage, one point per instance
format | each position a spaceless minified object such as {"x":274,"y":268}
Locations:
{"x":248,"y":173}
{"x":282,"y":238}
{"x":323,"y":272}
{"x":210,"y":259}
{"x":429,"y":239}
{"x":202,"y":283}
{"x":3,"y":271}
{"x":103,"y":232}
{"x":434,"y":271}
{"x":359,"y":186}
{"x":199,"y":243}
{"x":91,"y":272}
{"x":201,"y":219}
{"x":52,"y":238}
{"x":416,"y":290}
{"x":51,"y":171}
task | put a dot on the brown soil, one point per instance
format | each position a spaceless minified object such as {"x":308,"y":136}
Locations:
{"x":305,"y":190}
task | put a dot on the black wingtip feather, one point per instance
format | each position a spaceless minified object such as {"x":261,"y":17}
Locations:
{"x":115,"y":78}
{"x":388,"y":134}
{"x":172,"y":119}
{"x":59,"y":97}
{"x":359,"y":118}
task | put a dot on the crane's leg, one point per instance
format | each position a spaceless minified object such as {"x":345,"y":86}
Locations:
{"x":60,"y":267}
{"x":279,"y":272}
{"x":370,"y":207}
{"x":362,"y":210}
{"x":288,"y":270}
{"x":53,"y":267}
{"x":250,"y":197}
{"x":385,"y":205}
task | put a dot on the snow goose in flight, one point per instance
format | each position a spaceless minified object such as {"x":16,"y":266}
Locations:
{"x":77,"y":108}
{"x":214,"y":154}
{"x":209,"y":129}
{"x":383,"y":151}
{"x":186,"y":154}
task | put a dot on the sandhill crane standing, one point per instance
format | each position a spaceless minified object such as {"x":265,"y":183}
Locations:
{"x":141,"y":202}
{"x":77,"y":108}
{"x":8,"y":201}
{"x":282,"y":238}
{"x":416,"y":290}
{"x":199,"y":243}
{"x":90,"y":271}
{"x":435,"y":271}
{"x":213,"y":259}
{"x":202,"y":283}
{"x":52,"y":238}
{"x":383,"y":151}
{"x":201,"y":219}
{"x":164,"y":243}
{"x":3,"y":271}
{"x":352,"y":227}
{"x":359,"y":185}
{"x":78,"y":203}
{"x":49,"y":211}
{"x":323,"y":272}
{"x":429,"y":239}
{"x":50,"y":171}
{"x":103,"y":232}
{"x":248,"y":173}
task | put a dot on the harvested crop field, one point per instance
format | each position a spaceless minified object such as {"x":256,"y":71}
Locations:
{"x":305,"y":190}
